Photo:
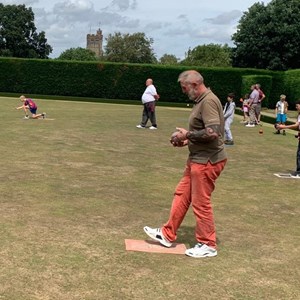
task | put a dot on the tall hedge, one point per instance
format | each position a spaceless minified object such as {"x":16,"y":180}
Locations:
{"x":127,"y":81}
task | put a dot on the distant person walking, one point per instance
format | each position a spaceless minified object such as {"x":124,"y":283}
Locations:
{"x":148,"y":99}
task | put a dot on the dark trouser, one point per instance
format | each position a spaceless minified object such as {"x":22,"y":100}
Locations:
{"x":149,"y":113}
{"x":298,"y":158}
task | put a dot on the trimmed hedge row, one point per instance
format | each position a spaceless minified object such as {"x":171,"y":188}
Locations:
{"x":127,"y":81}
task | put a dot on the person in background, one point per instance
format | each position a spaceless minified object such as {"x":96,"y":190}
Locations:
{"x":281,"y":109}
{"x":245,"y":108}
{"x":254,"y":96}
{"x":207,"y":158}
{"x":229,"y":110}
{"x":261,"y":97}
{"x":294,"y":126}
{"x":148,"y":99}
{"x":29,"y":104}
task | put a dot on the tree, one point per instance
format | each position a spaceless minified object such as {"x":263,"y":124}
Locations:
{"x":78,"y":54}
{"x":18,"y":36}
{"x":211,"y":55}
{"x":168,"y":59}
{"x":134,"y":48}
{"x":268,"y":36}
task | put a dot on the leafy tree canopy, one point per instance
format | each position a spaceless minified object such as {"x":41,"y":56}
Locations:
{"x":131,"y":48}
{"x":211,"y":55}
{"x":79,"y":53}
{"x":268,"y":36}
{"x":168,"y":59}
{"x":18,"y":36}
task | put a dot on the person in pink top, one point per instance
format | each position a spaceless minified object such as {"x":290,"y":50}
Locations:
{"x":29,"y":104}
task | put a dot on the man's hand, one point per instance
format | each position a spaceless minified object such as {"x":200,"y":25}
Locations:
{"x":279,"y":126}
{"x":182,"y":133}
{"x":178,"y":138}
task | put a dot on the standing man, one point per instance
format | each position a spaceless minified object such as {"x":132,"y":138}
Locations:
{"x":254,"y":96}
{"x":148,"y":99}
{"x":294,"y":126}
{"x":261,"y":97}
{"x":205,"y":163}
{"x":229,"y":110}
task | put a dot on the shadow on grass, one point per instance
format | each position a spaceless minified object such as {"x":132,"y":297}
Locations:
{"x":186,"y":235}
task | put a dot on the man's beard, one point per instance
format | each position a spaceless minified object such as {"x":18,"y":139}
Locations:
{"x":192,"y":94}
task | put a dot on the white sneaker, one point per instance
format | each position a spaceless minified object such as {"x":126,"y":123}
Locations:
{"x":152,"y":127}
{"x":297,"y":176}
{"x":156,"y":234}
{"x":201,"y":250}
{"x":140,"y":126}
{"x":250,"y":125}
{"x":26,"y":117}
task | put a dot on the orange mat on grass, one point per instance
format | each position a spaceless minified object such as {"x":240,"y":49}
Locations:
{"x":152,"y":246}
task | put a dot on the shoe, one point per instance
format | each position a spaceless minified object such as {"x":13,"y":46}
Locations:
{"x":283,"y":132}
{"x":26,"y":117}
{"x":140,"y":126}
{"x":277,"y":132}
{"x":152,"y":127}
{"x":250,"y":125}
{"x":296,"y":176}
{"x":229,"y":142}
{"x":201,"y":250}
{"x":43,"y":115}
{"x":156,"y":234}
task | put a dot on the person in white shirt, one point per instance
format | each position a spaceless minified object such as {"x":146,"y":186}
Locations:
{"x":228,"y":111}
{"x":149,"y":98}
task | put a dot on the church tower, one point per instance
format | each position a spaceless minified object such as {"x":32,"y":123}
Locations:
{"x":94,"y":42}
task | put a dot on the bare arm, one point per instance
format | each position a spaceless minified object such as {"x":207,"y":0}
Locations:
{"x":293,"y":126}
{"x":23,"y":106}
{"x":263,"y":96}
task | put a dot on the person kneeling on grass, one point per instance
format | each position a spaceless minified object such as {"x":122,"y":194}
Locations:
{"x":29,"y":104}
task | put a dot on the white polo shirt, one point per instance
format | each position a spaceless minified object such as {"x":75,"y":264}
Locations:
{"x":149,"y":94}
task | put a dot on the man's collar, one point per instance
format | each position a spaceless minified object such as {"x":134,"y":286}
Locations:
{"x":201,"y":96}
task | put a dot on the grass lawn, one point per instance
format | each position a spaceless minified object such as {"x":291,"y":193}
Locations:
{"x":75,"y":187}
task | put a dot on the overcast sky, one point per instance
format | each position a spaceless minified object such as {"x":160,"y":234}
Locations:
{"x":174,"y":25}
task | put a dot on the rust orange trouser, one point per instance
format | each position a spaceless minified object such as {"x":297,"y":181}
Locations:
{"x":195,"y":187}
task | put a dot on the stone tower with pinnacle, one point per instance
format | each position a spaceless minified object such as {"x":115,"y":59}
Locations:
{"x":94,"y":42}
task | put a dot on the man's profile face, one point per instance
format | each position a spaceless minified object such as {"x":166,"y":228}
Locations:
{"x":189,"y":90}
